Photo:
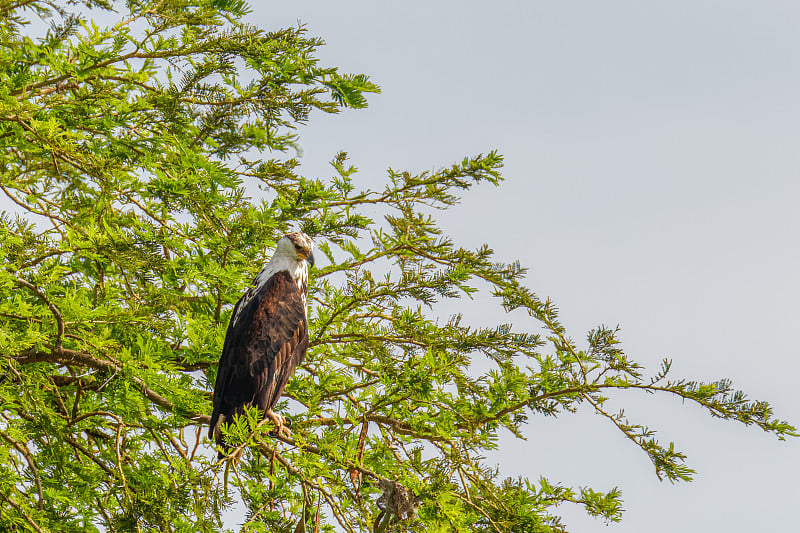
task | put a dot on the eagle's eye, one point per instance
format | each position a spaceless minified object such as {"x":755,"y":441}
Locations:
{"x":296,"y":246}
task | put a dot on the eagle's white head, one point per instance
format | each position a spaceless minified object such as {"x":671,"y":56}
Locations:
{"x":293,"y":253}
{"x":295,"y":247}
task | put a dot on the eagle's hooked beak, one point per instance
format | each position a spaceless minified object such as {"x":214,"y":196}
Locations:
{"x":310,"y":259}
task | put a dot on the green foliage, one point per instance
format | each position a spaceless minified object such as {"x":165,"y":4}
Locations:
{"x":135,"y":155}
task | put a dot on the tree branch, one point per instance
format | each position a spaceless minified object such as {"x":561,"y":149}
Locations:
{"x":65,"y":356}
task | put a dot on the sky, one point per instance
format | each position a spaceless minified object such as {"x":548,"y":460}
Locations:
{"x":651,"y":183}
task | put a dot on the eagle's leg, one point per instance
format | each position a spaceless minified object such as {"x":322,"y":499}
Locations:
{"x":282,"y":423}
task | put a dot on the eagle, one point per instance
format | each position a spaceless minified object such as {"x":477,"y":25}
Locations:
{"x":266,"y":339}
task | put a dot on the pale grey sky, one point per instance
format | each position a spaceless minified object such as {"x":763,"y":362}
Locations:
{"x":652,"y":182}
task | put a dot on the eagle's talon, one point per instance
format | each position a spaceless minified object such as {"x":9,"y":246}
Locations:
{"x":283,"y":430}
{"x":282,"y":424}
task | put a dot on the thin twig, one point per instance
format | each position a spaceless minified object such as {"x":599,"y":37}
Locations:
{"x":53,"y":309}
{"x":23,"y":450}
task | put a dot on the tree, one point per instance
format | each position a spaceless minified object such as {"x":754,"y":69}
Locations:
{"x":149,"y":164}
